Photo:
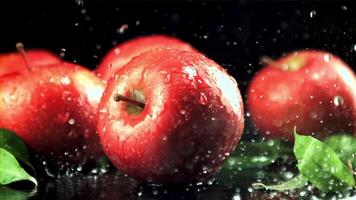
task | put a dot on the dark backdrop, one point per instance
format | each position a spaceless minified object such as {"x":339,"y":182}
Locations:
{"x":234,"y":34}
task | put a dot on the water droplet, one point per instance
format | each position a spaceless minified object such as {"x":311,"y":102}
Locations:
{"x":62,"y":53}
{"x":79,"y":168}
{"x":65,"y":80}
{"x":312,"y":13}
{"x":71,"y":121}
{"x":166,"y":77}
{"x":327,"y":58}
{"x":313,"y":115}
{"x":116,"y":52}
{"x":338,"y":100}
{"x":80,"y":2}
{"x":203,"y":99}
{"x":210,"y":182}
{"x":122,"y":28}
{"x":155,"y":192}
{"x":277,"y":123}
{"x":183,"y":112}
{"x":302,"y":193}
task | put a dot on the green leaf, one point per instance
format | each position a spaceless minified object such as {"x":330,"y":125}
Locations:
{"x":10,"y":194}
{"x":257,"y":154}
{"x":320,"y":164}
{"x":10,"y":169}
{"x":296,"y":182}
{"x":13,"y":144}
{"x":345,"y":146}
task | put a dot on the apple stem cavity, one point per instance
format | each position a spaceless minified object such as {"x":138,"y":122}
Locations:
{"x":119,"y":97}
{"x":21,"y":49}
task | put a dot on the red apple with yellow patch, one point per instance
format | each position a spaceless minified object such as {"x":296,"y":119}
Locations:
{"x":311,"y":90}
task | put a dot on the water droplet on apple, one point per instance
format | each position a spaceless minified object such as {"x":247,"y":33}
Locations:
{"x":277,"y":123}
{"x":183,"y":112}
{"x":326,"y":58}
{"x":313,"y":115}
{"x":116,"y":52}
{"x":166,"y":77}
{"x":203,"y":100}
{"x":71,"y":121}
{"x":338,"y":101}
{"x":65,"y":80}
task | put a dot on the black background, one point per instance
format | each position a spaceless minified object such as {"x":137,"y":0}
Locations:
{"x":234,"y":34}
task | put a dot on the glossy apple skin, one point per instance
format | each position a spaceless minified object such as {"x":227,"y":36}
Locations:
{"x":192,"y":120}
{"x":124,"y":52}
{"x":14,"y":62}
{"x":53,"y":110}
{"x":319,"y":98}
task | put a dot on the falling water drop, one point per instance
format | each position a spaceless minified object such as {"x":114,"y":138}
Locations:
{"x":312,"y":13}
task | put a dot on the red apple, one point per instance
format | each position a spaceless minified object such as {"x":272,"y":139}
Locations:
{"x":170,"y":116}
{"x":52,"y":108}
{"x":13,"y":62}
{"x":312,"y":90}
{"x":124,"y":52}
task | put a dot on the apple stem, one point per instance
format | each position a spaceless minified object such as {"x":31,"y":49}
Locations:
{"x":20,"y":48}
{"x":119,"y":97}
{"x":266,"y":60}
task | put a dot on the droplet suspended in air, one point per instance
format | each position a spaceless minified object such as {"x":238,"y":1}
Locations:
{"x":312,"y":13}
{"x":122,"y":29}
